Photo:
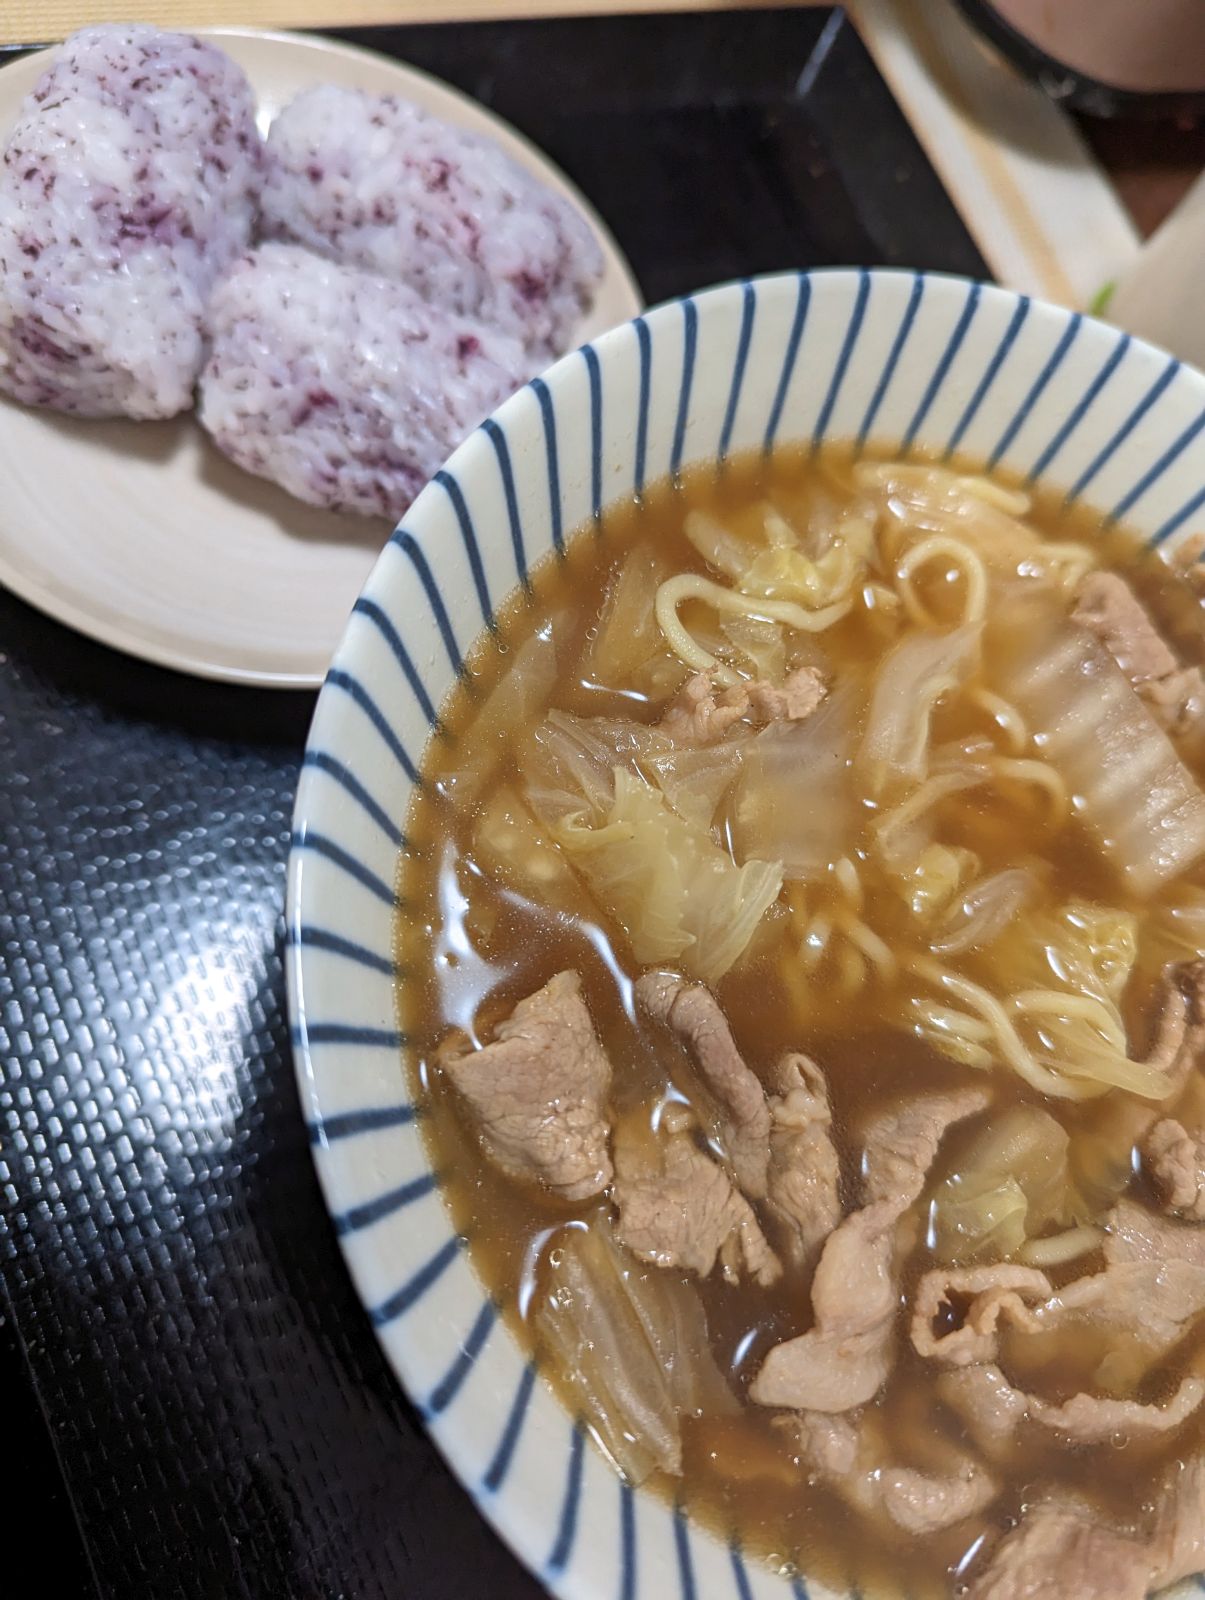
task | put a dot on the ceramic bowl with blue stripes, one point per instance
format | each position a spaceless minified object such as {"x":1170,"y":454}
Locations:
{"x":896,"y":359}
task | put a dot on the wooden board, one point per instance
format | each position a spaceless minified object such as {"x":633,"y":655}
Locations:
{"x":31,"y":21}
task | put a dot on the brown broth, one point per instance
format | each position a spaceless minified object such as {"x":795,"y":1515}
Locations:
{"x":472,"y":946}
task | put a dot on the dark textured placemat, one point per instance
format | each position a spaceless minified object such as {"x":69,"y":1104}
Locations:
{"x":201,"y":1408}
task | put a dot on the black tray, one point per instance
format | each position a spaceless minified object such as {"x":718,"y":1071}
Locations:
{"x":200,"y":1407}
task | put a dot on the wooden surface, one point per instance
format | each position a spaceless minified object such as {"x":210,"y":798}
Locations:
{"x":30,"y":21}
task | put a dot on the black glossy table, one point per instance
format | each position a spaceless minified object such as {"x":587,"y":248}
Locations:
{"x":196,"y":1408}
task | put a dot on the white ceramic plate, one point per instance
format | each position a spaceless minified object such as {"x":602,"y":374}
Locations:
{"x":142,"y":535}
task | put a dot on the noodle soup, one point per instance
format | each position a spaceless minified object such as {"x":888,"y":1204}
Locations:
{"x":802,"y":928}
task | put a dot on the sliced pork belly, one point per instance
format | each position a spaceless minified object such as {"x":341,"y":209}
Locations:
{"x":537,"y":1093}
{"x":843,"y":1360}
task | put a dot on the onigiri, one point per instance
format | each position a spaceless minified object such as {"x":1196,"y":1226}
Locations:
{"x":129,"y":184}
{"x":347,"y":389}
{"x":374,"y":182}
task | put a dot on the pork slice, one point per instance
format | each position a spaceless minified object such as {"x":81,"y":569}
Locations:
{"x":1178,"y":1043}
{"x":837,"y":1452}
{"x":991,"y":1295}
{"x":1152,"y":1304}
{"x":1109,"y":608}
{"x":800,"y":693}
{"x":1136,"y":1233}
{"x":1147,"y":1307}
{"x":987,"y":1405}
{"x":679,"y":1208}
{"x":1178,"y":1546}
{"x":1179,"y":1027}
{"x":702,"y":714}
{"x":537,"y":1093}
{"x":1175,"y":1160}
{"x":1176,"y":1046}
{"x":804,"y":1174}
{"x":924,"y":1503}
{"x":1097,"y":1419}
{"x":1062,"y":1547}
{"x":993,"y":1409}
{"x":692,"y":1013}
{"x":846,"y":1356}
{"x":844,"y":1359}
{"x":900,"y":1144}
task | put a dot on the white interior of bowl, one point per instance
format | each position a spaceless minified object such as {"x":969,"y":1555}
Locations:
{"x":898,"y":359}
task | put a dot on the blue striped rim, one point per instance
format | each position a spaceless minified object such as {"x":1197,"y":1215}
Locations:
{"x":472,"y":548}
{"x":1178,"y":519}
{"x":337,"y":678}
{"x":346,"y":862}
{"x":893,"y":356}
{"x":627,"y":1541}
{"x":690,"y":340}
{"x":645,"y":351}
{"x":357,"y":1217}
{"x":497,"y":438}
{"x":548,"y":415}
{"x":567,"y":1529}
{"x":449,"y":1385}
{"x":1008,"y":339}
{"x":748,"y":307}
{"x":686,"y":1569}
{"x":1053,"y":362}
{"x":350,"y":784}
{"x":953,"y":345}
{"x":1123,"y":432}
{"x":407,"y":544}
{"x":335,"y":944}
{"x":1153,"y":473}
{"x":593,"y":373}
{"x":1077,"y":413}
{"x":495,"y":1475}
{"x":852,"y":330}
{"x":790,"y":355}
{"x":371,"y":610}
{"x":349,"y":1124}
{"x":738,"y":1571}
{"x":350,"y":1033}
{"x":416,"y":1286}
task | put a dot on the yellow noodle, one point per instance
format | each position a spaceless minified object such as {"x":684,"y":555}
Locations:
{"x":871,"y":946}
{"x":946,"y":1018}
{"x":933,"y":548}
{"x":1060,"y":1247}
{"x":848,"y":882}
{"x":1039,"y":773}
{"x":1057,"y":1003}
{"x":1008,"y":1041}
{"x":690,"y":586}
{"x":962,"y":1037}
{"x":878,"y":597}
{"x":1005,"y":715}
{"x":851,"y":969}
{"x":1011,"y":501}
{"x":1068,"y":562}
{"x":815,"y":942}
{"x":909,"y":811}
